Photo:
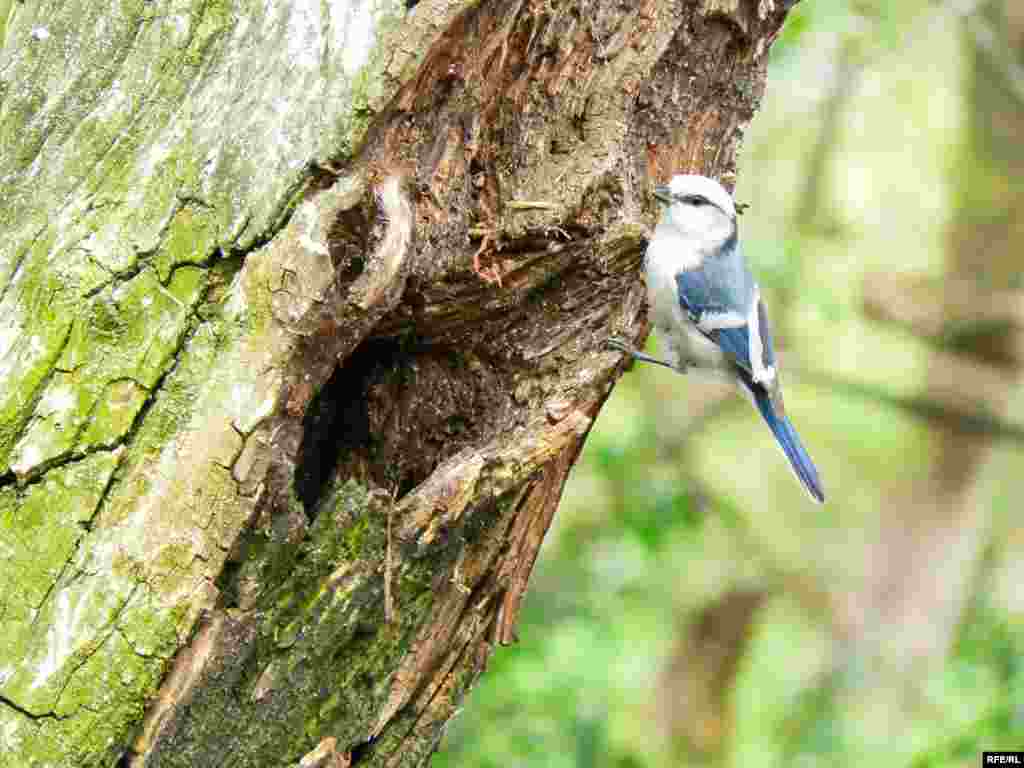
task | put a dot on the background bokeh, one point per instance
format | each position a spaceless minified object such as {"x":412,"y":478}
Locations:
{"x":691,"y":606}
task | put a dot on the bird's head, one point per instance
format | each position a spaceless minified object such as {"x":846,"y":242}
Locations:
{"x":697,"y":206}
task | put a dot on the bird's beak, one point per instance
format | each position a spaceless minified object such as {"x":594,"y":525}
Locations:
{"x":663,"y":194}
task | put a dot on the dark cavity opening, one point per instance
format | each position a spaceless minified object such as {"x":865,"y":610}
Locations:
{"x":337,"y":421}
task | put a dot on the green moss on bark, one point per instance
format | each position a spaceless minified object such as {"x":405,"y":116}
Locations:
{"x":115,"y":354}
{"x":324,"y":602}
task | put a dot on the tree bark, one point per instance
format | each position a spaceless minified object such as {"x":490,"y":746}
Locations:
{"x":275,"y":464}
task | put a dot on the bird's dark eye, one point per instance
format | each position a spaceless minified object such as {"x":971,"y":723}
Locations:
{"x":697,"y":200}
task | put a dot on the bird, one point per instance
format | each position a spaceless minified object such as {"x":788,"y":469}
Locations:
{"x":707,"y":310}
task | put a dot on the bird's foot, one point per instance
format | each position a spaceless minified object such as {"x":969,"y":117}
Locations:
{"x":621,"y":345}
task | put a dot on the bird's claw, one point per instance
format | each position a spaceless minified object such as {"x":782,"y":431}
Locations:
{"x":620,"y":345}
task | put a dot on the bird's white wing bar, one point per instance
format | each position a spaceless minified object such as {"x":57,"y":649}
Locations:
{"x":760,"y":372}
{"x":715,"y":321}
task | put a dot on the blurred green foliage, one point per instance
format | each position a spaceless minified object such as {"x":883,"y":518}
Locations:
{"x":679,"y":497}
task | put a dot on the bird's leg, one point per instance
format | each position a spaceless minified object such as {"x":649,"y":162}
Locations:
{"x":629,"y":349}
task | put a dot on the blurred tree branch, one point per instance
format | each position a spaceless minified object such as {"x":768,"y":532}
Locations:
{"x":928,"y":548}
{"x":697,"y":684}
{"x":946,"y":310}
{"x":960,"y":409}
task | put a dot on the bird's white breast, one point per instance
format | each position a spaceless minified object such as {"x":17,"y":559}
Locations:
{"x":667,"y":256}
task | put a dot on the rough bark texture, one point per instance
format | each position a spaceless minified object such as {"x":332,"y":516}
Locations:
{"x":275,"y":464}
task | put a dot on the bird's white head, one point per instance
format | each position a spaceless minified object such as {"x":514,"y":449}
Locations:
{"x":698,"y":207}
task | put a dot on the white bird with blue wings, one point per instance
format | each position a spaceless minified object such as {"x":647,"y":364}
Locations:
{"x":707,"y":309}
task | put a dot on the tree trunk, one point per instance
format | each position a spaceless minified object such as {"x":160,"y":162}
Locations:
{"x":275,"y":464}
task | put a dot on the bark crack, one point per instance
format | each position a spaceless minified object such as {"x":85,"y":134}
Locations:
{"x":108,"y":630}
{"x":18,"y":261}
{"x":11,"y":476}
{"x":38,"y":472}
{"x":36,"y":716}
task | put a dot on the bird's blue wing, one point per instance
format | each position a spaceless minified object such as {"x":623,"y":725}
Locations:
{"x":721,"y":298}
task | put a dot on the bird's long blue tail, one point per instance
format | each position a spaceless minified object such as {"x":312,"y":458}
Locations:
{"x":787,"y":437}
